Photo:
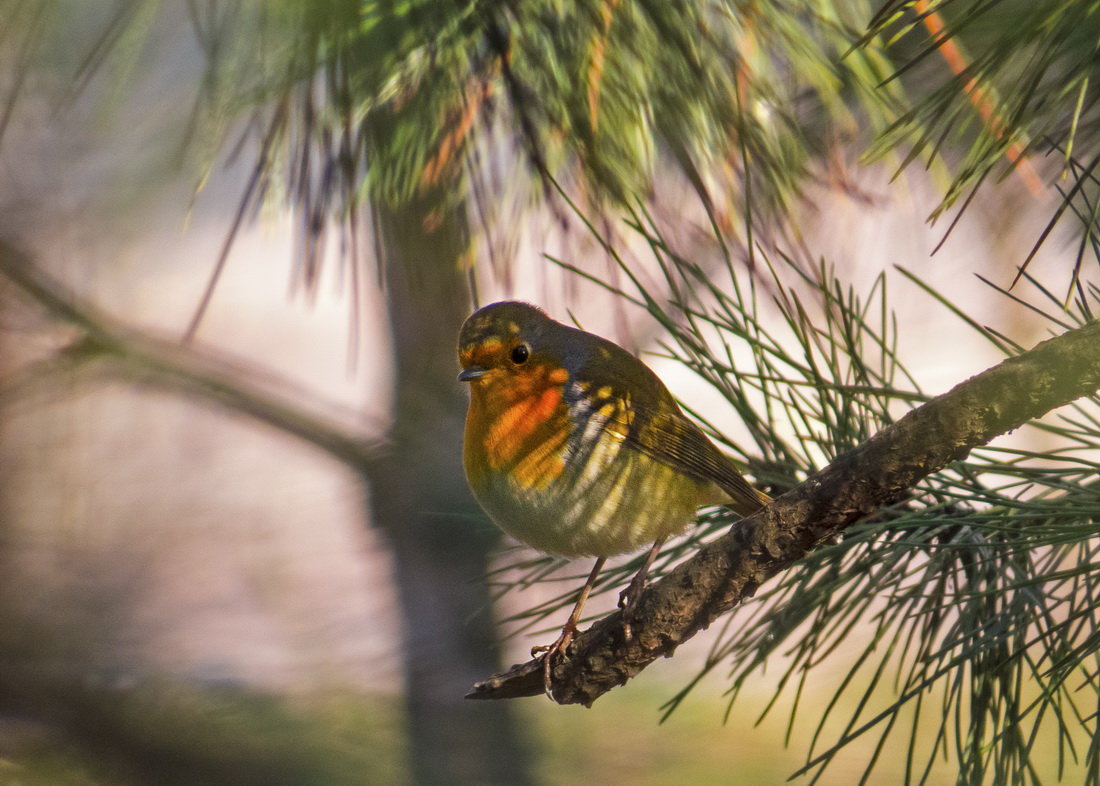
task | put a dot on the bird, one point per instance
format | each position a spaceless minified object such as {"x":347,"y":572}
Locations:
{"x":575,"y":447}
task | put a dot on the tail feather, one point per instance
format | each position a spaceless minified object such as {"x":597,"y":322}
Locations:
{"x":745,"y":499}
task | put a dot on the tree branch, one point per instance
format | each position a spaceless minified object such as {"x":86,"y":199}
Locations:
{"x":119,"y":351}
{"x":729,"y":570}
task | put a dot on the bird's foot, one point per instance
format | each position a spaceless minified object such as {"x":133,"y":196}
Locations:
{"x":549,"y":652}
{"x":628,"y":602}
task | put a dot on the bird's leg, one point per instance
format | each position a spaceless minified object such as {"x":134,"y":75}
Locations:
{"x":565,"y":639}
{"x":628,"y":598}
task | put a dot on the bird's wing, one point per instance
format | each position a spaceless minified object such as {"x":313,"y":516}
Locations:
{"x":675,"y":441}
{"x":652,"y":423}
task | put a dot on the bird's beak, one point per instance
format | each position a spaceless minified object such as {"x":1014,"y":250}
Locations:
{"x":471,"y":373}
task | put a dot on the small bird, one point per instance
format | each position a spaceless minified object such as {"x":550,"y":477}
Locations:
{"x":575,"y":447}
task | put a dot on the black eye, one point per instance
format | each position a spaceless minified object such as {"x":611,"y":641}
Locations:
{"x":520,"y":354}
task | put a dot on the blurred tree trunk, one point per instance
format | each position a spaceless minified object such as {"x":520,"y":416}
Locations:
{"x":440,"y":540}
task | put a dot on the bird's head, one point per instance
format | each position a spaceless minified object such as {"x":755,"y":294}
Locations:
{"x":512,"y":347}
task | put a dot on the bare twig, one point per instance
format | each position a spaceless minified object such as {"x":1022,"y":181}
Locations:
{"x":120,"y":351}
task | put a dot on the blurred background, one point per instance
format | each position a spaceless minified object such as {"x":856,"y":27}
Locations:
{"x":193,"y":594}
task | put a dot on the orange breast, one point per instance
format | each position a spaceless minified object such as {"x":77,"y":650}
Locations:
{"x":518,"y":424}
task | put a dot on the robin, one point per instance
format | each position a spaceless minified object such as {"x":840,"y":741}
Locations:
{"x":575,"y":447}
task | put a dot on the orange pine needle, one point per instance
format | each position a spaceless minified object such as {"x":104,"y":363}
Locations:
{"x":979,"y":97}
{"x":452,"y":141}
{"x":595,"y":68}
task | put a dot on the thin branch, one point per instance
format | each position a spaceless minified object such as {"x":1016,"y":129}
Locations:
{"x":729,"y":570}
{"x":248,"y":200}
{"x":146,"y":359}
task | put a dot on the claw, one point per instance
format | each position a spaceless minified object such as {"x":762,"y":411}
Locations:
{"x":629,"y":597}
{"x":628,"y":602}
{"x":549,"y":652}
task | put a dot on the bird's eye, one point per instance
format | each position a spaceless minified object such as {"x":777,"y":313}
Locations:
{"x":520,"y":354}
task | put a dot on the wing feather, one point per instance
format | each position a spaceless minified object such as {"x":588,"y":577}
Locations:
{"x":679,"y":443}
{"x":651,"y":421}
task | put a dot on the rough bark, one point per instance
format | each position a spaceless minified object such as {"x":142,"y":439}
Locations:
{"x":729,"y":570}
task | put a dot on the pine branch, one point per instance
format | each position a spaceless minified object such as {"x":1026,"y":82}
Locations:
{"x":729,"y":570}
{"x":121,"y":352}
